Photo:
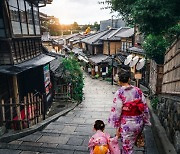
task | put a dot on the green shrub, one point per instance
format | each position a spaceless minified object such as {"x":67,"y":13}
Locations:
{"x":154,"y":102}
{"x":97,"y":76}
{"x":108,"y":79}
{"x":72,"y":74}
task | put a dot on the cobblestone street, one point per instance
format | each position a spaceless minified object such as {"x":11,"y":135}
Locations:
{"x":70,"y":133}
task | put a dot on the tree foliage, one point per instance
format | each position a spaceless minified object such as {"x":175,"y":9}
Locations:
{"x":155,"y":47}
{"x":73,"y":75}
{"x":152,"y":16}
{"x":158,"y":20}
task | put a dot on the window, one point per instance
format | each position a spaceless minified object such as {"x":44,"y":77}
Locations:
{"x":22,"y":12}
{"x":36,"y":19}
{"x":2,"y":31}
{"x":123,"y":46}
{"x":13,"y":3}
{"x":24,"y":17}
{"x":30,"y":18}
{"x":15,"y":18}
{"x":130,"y":44}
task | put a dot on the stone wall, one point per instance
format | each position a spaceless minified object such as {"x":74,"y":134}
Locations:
{"x":168,"y":111}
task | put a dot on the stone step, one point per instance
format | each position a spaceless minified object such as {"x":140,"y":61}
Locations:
{"x":42,"y":148}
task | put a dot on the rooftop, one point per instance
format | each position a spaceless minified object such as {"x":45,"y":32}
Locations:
{"x":136,"y":50}
{"x":126,"y":33}
{"x":95,"y":38}
{"x":112,"y":34}
{"x":98,"y":58}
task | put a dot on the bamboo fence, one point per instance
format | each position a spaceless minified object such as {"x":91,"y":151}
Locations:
{"x":171,"y":78}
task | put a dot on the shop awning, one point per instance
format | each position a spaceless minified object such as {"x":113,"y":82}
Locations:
{"x":42,"y":59}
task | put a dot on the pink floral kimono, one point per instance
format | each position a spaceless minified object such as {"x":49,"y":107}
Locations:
{"x":129,"y":113}
{"x":103,"y":140}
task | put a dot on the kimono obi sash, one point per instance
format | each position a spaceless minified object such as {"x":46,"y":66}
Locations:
{"x":100,"y":149}
{"x":133,"y":108}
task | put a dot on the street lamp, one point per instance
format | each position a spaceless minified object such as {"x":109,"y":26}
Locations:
{"x":112,"y":20}
{"x":112,"y":69}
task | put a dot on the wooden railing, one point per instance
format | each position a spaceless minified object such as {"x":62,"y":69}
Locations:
{"x":64,"y":92}
{"x":22,"y":114}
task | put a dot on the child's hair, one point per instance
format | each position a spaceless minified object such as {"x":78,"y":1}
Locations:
{"x":99,"y":125}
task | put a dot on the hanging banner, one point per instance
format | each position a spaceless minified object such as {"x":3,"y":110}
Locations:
{"x":96,"y":68}
{"x":89,"y":70}
{"x":106,"y":69}
{"x":47,"y":81}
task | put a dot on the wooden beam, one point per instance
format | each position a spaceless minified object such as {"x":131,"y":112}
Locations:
{"x":16,"y":96}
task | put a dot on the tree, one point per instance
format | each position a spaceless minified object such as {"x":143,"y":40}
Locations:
{"x":96,"y":26}
{"x":152,"y":16}
{"x":75,"y":26}
{"x":155,"y":47}
{"x":158,"y":20}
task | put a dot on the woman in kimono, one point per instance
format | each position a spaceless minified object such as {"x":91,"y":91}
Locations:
{"x":129,"y":113}
{"x":101,"y":143}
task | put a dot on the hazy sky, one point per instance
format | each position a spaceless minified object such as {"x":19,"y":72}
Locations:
{"x":81,"y":11}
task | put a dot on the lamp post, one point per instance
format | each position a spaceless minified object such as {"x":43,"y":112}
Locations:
{"x":112,"y":69}
{"x":112,"y":20}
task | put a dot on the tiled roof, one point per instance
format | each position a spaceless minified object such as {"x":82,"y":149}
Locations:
{"x":112,"y":35}
{"x":41,"y":59}
{"x":95,"y":38}
{"x":127,"y":33}
{"x":136,"y":50}
{"x":105,"y":37}
{"x":56,"y":62}
{"x":98,"y":58}
{"x":77,"y":50}
{"x":74,"y":36}
{"x":121,"y":57}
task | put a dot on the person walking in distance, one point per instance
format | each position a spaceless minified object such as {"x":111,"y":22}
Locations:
{"x":129,"y":113}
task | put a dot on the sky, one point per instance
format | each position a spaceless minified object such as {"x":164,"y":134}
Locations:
{"x":80,"y":11}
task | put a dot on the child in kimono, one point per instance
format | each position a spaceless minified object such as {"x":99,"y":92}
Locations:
{"x":101,"y":143}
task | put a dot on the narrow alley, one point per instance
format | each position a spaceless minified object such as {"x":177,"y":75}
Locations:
{"x":70,"y":133}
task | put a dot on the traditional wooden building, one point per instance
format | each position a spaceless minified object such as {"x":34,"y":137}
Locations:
{"x":23,"y":67}
{"x":92,"y":44}
{"x":117,"y":41}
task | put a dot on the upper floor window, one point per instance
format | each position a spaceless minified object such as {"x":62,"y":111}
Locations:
{"x":30,"y":18}
{"x":2,"y":31}
{"x":24,"y":17}
{"x":36,"y":19}
{"x":125,"y":46}
{"x":15,"y":18}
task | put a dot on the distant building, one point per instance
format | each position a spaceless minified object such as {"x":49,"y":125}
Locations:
{"x":114,"y":23}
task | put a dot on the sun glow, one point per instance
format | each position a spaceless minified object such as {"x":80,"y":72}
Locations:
{"x":65,"y":21}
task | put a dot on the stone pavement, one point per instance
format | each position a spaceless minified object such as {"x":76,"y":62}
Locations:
{"x":70,"y":133}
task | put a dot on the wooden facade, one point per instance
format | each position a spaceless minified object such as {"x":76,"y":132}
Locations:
{"x":126,"y":43}
{"x":19,"y":114}
{"x":21,"y":40}
{"x":23,"y":67}
{"x":114,"y":47}
{"x":111,"y":47}
{"x":171,"y":78}
{"x":155,"y":77}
